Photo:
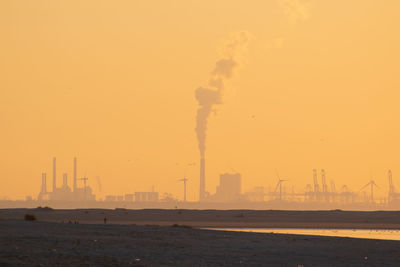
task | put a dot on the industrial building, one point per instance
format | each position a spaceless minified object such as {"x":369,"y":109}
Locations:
{"x":64,"y":193}
{"x":229,"y":189}
{"x":136,"y":197}
{"x":146,"y":196}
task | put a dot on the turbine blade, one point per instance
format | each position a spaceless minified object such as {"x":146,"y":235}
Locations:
{"x":365,"y":186}
{"x":277,"y":185}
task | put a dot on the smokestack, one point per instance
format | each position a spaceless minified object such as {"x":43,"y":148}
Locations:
{"x":209,"y":97}
{"x":54,"y":174}
{"x":202,"y":179}
{"x":75,"y":174}
{"x":44,"y":185}
{"x":65,"y":180}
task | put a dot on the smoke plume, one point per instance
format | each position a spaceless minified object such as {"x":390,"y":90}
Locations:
{"x":224,"y":69}
{"x":295,"y":10}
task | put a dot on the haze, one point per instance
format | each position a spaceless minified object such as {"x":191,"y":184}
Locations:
{"x":113,"y":83}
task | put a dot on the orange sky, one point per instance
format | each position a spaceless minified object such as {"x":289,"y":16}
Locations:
{"x":112,"y":82}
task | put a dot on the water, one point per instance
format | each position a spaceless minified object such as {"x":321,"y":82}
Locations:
{"x":354,"y":233}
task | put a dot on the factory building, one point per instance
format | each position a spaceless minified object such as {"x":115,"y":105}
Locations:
{"x":110,"y":198}
{"x":129,"y":197}
{"x":64,"y":193}
{"x":146,"y":196}
{"x":229,"y":189}
{"x":137,"y":197}
{"x":256,"y":195}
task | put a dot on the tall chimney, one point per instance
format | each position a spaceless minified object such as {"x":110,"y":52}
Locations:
{"x":44,"y":185}
{"x":75,"y":174}
{"x":65,"y":180}
{"x":54,"y":174}
{"x":202,"y":180}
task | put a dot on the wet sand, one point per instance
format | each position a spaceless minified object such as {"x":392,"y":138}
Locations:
{"x":25,"y":243}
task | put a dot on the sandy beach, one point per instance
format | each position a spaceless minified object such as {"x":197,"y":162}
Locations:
{"x":218,"y":218}
{"x":149,"y":238}
{"x":62,"y":244}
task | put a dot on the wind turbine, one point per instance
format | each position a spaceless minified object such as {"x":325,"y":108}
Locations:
{"x":279,"y":184}
{"x":372,"y":184}
{"x":391,"y":186}
{"x":184,"y":180}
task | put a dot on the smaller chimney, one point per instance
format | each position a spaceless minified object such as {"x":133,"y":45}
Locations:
{"x":74,"y":189}
{"x":202,"y":179}
{"x":65,"y":180}
{"x":54,"y":175}
{"x":44,"y":185}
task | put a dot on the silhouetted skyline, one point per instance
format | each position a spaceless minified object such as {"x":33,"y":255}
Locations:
{"x":229,"y":191}
{"x":125,"y":87}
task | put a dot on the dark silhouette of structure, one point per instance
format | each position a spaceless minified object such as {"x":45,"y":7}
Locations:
{"x":75,"y":166}
{"x":229,"y":189}
{"x":279,"y":184}
{"x":146,"y":196}
{"x":64,"y":193}
{"x":184,"y":180}
{"x":316,"y":185}
{"x":43,"y":191}
{"x":229,"y":193}
{"x":371,"y":184}
{"x":202,"y":179}
{"x":54,"y":175}
{"x":84,"y":179}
